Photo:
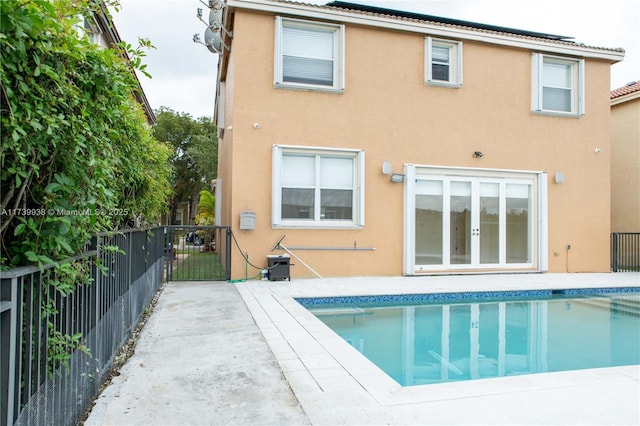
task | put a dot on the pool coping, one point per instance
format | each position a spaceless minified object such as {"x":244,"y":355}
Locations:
{"x":330,"y":377}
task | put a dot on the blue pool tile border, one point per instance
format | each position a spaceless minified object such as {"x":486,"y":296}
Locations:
{"x":460,"y":297}
{"x":597,"y":291}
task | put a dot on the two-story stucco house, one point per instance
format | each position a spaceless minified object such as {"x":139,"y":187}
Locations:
{"x":381,"y":142}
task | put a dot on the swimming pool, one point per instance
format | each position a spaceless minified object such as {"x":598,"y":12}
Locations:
{"x":422,"y":339}
{"x":336,"y":384}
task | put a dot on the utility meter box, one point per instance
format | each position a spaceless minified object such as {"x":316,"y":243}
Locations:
{"x":247,"y":220}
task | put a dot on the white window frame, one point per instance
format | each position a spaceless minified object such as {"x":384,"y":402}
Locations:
{"x":218,"y":202}
{"x":357,"y":220}
{"x":538,"y":61}
{"x":455,"y":62}
{"x":338,"y":55}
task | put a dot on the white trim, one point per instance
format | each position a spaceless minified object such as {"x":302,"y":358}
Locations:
{"x":220,"y":106}
{"x":442,"y":30}
{"x":455,"y":62}
{"x":338,"y":56}
{"x":360,"y":187}
{"x":543,"y":223}
{"x":577,"y":69}
{"x":409,"y":221}
{"x":473,"y":172}
{"x":276,"y":184}
{"x":538,"y":222}
{"x":357,"y":221}
{"x":218,"y":205}
{"x":581,"y":88}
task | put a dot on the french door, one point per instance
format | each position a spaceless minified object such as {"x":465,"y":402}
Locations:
{"x":465,"y":221}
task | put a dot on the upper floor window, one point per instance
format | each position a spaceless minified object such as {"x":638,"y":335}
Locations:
{"x":443,"y":62}
{"x":317,"y":187}
{"x":309,"y":55}
{"x":557,"y":85}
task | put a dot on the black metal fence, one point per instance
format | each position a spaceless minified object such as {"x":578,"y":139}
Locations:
{"x":57,"y":345}
{"x":199,"y":253}
{"x":625,"y":251}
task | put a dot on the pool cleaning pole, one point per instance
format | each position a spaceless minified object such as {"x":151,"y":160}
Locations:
{"x":300,"y":260}
{"x":278,"y":245}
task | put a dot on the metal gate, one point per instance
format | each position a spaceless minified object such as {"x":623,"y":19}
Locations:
{"x":197,"y":253}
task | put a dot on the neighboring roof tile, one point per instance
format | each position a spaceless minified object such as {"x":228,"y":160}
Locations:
{"x":628,"y":88}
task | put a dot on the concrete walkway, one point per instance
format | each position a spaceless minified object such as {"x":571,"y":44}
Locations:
{"x":200,"y":360}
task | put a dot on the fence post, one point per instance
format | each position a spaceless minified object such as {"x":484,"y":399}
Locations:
{"x":614,"y":251}
{"x":228,"y":253}
{"x":169,"y":243}
{"x":8,"y":374}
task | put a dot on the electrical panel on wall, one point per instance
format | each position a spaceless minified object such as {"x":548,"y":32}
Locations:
{"x":247,"y":220}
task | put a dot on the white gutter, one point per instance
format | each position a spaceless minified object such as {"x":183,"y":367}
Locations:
{"x":444,"y":30}
{"x":625,"y":98}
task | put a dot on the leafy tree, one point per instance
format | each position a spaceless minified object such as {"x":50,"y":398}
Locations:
{"x":194,"y":157}
{"x":77,"y":156}
{"x":206,"y":211}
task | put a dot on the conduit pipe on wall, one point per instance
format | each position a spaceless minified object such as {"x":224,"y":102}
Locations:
{"x":333,"y":248}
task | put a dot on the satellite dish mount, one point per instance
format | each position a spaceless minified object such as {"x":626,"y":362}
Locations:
{"x":213,"y":34}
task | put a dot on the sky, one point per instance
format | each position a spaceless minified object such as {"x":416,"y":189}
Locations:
{"x":184,"y":73}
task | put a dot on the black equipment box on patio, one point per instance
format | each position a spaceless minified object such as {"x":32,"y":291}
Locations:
{"x":278,"y":268}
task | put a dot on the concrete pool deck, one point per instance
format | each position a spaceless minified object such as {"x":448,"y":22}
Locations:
{"x":335,"y":384}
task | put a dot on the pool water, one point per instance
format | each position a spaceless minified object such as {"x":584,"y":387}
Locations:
{"x":427,"y":343}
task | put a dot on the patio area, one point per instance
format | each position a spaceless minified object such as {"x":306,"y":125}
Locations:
{"x":332,"y":383}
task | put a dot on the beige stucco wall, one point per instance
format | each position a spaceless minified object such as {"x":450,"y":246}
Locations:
{"x":625,"y":166}
{"x":388,"y":111}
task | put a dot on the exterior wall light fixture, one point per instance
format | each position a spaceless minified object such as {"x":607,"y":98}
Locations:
{"x":397,"y":177}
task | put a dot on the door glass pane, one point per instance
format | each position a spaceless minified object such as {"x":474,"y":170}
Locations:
{"x":518,"y":223}
{"x":460,"y":223}
{"x":489,"y":222}
{"x":428,"y":222}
